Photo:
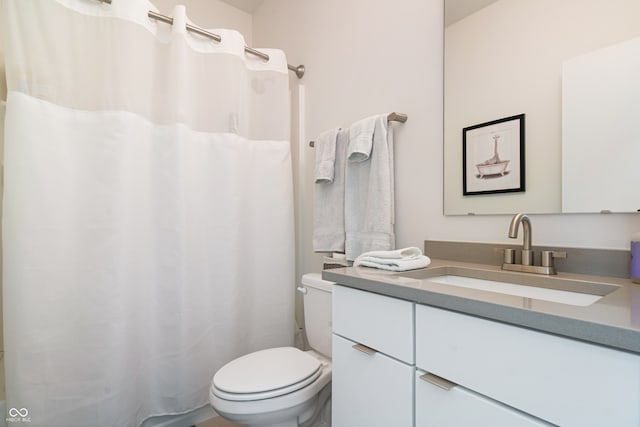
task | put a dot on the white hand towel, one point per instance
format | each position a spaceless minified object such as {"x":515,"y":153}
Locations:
{"x":405,"y":253}
{"x":328,"y":204}
{"x":396,"y":264}
{"x":325,"y":151}
{"x":361,"y":139}
{"x":369,"y":192}
{"x":398,"y":260}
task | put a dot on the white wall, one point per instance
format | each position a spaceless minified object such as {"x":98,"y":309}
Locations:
{"x":365,"y":57}
{"x":3,"y":80}
{"x":369,"y":56}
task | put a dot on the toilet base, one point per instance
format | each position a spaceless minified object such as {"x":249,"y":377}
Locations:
{"x":321,"y":416}
{"x":315,"y":412}
{"x":285,"y":418}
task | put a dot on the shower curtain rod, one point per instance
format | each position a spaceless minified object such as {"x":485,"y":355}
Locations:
{"x":299,"y":70}
{"x":392,"y":117}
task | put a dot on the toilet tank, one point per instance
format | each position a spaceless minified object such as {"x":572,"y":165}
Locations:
{"x":317,"y":312}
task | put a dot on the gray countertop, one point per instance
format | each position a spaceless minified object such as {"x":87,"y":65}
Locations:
{"x":612,"y":321}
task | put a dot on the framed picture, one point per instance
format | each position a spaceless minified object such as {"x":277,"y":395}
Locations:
{"x":493,"y":157}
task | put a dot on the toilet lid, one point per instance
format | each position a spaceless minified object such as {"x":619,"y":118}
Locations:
{"x":266,"y":373}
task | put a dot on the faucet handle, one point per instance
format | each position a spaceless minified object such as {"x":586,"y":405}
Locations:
{"x":509,"y":255}
{"x":548,"y":256}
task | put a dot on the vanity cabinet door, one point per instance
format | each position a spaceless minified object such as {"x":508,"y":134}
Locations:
{"x":371,"y":390}
{"x":458,"y":407}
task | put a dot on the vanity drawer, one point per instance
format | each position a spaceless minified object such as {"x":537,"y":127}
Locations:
{"x":382,"y":323}
{"x":457,"y":406}
{"x":369,"y":389}
{"x":563,"y":381}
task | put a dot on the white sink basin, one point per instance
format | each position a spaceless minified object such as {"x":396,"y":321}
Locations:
{"x":526,"y":285}
{"x":546,"y":294}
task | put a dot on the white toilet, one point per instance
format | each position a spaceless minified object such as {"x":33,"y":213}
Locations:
{"x":284,"y":386}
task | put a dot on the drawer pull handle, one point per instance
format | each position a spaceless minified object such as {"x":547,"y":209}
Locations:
{"x":365,"y":349}
{"x":438,"y":381}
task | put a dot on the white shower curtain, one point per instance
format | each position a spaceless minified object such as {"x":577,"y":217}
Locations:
{"x":148,"y":216}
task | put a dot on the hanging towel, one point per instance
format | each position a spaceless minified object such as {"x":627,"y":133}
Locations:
{"x":369,"y":191}
{"x":398,"y":260}
{"x":328,"y":203}
{"x":325,"y":151}
{"x":361,"y":139}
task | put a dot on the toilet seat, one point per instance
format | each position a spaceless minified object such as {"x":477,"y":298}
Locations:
{"x":266,"y":374}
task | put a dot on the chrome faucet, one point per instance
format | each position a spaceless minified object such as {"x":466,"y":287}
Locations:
{"x":527,"y":265}
{"x":527,"y":253}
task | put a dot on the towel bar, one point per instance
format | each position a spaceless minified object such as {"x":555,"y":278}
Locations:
{"x":392,"y":117}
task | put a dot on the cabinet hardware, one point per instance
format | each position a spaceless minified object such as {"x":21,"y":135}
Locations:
{"x":365,"y":349}
{"x":438,"y":381}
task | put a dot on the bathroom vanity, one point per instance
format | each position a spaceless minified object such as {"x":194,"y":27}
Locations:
{"x":411,"y":350}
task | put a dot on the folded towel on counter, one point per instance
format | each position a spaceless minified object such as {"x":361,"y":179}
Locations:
{"x":410,"y":252}
{"x":325,"y":151}
{"x":399,"y":260}
{"x":369,"y":191}
{"x":328,"y":203}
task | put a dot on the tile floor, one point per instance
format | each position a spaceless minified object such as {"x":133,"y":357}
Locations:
{"x":218,"y":422}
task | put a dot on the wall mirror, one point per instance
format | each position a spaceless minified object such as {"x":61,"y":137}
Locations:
{"x":509,"y":57}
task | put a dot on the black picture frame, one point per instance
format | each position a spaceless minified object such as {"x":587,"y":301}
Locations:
{"x":493,"y":157}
